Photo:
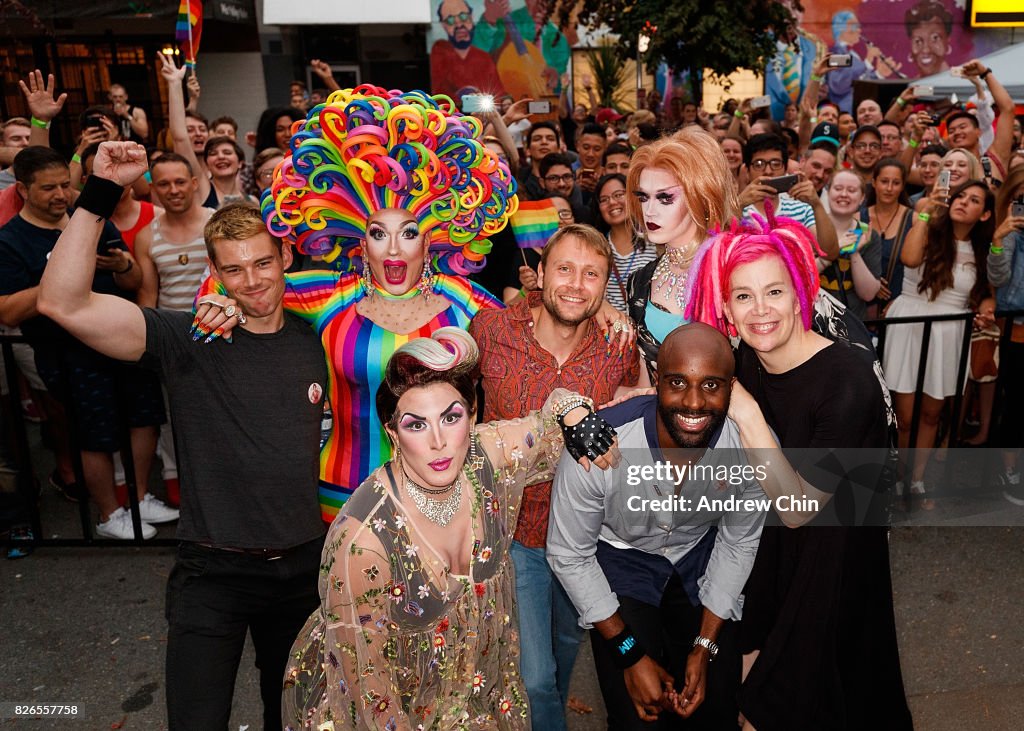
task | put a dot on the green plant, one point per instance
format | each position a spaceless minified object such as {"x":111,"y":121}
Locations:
{"x":609,"y":73}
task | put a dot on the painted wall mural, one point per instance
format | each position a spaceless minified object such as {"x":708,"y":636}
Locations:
{"x":497,"y":47}
{"x":886,"y":39}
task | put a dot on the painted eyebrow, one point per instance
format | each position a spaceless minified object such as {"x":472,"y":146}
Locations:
{"x":451,"y":407}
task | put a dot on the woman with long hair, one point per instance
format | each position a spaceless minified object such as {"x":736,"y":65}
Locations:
{"x":890,"y":216}
{"x":679,"y":189}
{"x":417,"y":623}
{"x":944,"y":254}
{"x":732,"y":148}
{"x":397,"y":192}
{"x":630,"y":252}
{"x":818,"y":631}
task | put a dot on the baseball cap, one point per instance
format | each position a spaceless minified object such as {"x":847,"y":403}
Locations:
{"x":606,"y":114}
{"x":826,"y":132}
{"x":862,"y":129}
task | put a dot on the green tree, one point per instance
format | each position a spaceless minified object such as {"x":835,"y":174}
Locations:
{"x":717,"y":35}
{"x":609,"y":72}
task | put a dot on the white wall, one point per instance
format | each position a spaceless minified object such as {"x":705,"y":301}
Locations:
{"x":325,"y":12}
{"x":233,"y":84}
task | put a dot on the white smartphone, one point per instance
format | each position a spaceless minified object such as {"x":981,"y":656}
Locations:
{"x":760,"y":102}
{"x":924,"y":90}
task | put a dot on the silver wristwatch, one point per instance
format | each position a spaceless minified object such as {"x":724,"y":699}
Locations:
{"x":707,"y":644}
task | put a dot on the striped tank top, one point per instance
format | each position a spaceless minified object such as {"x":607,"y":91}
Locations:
{"x":182,"y":268}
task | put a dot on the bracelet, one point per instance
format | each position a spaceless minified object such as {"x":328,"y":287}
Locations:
{"x":76,"y":158}
{"x":738,"y":114}
{"x":100,"y":196}
{"x":926,"y":217}
{"x":815,"y":77}
{"x":993,"y":249}
{"x":901,"y":101}
{"x":913,"y":143}
{"x":127,"y":268}
{"x":564,"y":405}
{"x":521,"y":293}
{"x":40,"y":123}
{"x":626,"y":649}
{"x":814,"y":120}
{"x":984,"y":73}
{"x":706,"y":643}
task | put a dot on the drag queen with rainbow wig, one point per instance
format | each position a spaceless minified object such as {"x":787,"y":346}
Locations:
{"x":396,"y":193}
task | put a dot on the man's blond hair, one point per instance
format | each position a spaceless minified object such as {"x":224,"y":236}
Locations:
{"x":235,"y":222}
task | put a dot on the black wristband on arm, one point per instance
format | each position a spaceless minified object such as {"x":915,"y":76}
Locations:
{"x":100,"y":196}
{"x":626,"y":649}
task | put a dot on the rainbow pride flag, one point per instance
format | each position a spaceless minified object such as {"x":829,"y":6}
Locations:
{"x":189,"y":29}
{"x":534,"y":223}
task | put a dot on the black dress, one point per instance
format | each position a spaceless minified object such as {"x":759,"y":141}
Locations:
{"x":819,"y":597}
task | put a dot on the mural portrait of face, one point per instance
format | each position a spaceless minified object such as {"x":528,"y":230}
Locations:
{"x":928,"y":26}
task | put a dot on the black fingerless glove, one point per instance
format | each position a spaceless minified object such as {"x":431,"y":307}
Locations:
{"x":591,"y":438}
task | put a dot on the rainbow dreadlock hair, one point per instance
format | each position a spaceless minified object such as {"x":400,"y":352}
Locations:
{"x":367,"y":149}
{"x":743,"y":242}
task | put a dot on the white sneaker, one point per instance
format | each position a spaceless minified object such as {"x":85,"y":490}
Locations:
{"x":154,"y":510}
{"x":119,"y":527}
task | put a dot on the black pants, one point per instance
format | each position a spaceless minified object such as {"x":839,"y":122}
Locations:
{"x":1011,"y":428}
{"x":213,"y":599}
{"x":667,"y":633}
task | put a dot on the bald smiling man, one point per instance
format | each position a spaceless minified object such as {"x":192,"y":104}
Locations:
{"x":670,"y":533}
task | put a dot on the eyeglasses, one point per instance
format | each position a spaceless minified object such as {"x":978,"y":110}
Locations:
{"x":556,"y":179}
{"x":461,"y":17}
{"x":565,"y":215}
{"x":867,"y":146}
{"x":266,"y":174}
{"x":772,"y":164}
{"x":618,"y":196}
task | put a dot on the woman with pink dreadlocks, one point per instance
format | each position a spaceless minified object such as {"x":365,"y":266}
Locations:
{"x":818,"y":632}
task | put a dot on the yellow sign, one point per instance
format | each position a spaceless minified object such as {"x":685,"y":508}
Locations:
{"x":996,"y":13}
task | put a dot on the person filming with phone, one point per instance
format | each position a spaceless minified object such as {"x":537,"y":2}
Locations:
{"x":791,"y":196}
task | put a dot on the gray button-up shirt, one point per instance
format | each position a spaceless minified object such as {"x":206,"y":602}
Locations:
{"x":628,"y":509}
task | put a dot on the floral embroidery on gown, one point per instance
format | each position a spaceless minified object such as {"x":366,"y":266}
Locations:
{"x":400,"y":643}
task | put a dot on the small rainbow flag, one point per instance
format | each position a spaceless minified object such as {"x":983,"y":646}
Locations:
{"x":534,"y":223}
{"x":189,"y":29}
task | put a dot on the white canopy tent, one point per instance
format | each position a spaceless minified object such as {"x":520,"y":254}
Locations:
{"x":1007,"y":64}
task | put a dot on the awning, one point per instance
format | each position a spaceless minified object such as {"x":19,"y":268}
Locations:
{"x":335,"y":12}
{"x":1007,"y":64}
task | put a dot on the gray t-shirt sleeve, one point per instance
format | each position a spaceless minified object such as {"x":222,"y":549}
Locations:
{"x":574,"y":524}
{"x":872,"y":255}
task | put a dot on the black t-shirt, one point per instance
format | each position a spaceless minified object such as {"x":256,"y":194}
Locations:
{"x":24,"y":250}
{"x":247,"y":418}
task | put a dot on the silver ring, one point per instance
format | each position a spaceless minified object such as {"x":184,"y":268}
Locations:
{"x":242,"y":318}
{"x":230,"y":311}
{"x":617,"y":326}
{"x":211,"y":302}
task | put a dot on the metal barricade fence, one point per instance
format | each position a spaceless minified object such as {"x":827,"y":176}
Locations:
{"x":26,"y":501}
{"x":26,"y":479}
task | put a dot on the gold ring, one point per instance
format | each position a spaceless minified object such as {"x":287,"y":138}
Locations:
{"x":617,"y":326}
{"x":230,"y":311}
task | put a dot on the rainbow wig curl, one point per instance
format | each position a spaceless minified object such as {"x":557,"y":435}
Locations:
{"x":745,"y":241}
{"x":367,"y":149}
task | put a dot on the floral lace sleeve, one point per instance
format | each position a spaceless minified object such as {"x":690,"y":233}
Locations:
{"x":525,"y":451}
{"x":362,"y":679}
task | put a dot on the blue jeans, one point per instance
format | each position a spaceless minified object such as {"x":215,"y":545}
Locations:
{"x":549,"y":637}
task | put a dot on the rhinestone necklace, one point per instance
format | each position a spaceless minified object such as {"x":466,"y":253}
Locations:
{"x":439,"y":512}
{"x":673,"y":282}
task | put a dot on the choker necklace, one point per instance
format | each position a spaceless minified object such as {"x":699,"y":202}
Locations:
{"x":665,"y":276}
{"x":384,"y":294}
{"x":439,"y":512}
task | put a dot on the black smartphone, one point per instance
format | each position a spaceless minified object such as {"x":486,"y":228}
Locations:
{"x":783,"y":182}
{"x":93,"y":122}
{"x":986,"y":165}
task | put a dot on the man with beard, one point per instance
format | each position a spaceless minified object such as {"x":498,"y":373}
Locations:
{"x":655,"y":552}
{"x":864,"y":151}
{"x":456,"y":63}
{"x":549,"y":340}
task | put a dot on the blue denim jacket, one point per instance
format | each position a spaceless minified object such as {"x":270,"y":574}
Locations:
{"x":1006,"y":273}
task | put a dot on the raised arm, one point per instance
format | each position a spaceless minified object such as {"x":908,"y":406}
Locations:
{"x":108,"y":324}
{"x":176,"y":117}
{"x":41,"y":105}
{"x":324,"y":73}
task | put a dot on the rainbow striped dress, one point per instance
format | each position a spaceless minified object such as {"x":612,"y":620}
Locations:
{"x":357,"y":351}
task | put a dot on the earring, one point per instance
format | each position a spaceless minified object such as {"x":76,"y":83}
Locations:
{"x":365,"y":278}
{"x":476,"y":462}
{"x":426,"y":284}
{"x":731,"y":330}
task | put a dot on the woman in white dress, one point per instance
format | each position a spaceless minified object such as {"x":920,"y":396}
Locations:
{"x":942,"y":277}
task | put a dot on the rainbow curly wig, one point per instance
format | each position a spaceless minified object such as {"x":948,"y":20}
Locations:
{"x":367,"y":149}
{"x":745,"y":241}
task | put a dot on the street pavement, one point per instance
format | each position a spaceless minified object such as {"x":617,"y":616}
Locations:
{"x":86,"y":626}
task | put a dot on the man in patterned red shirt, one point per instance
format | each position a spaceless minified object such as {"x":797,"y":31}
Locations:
{"x":544,"y":341}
